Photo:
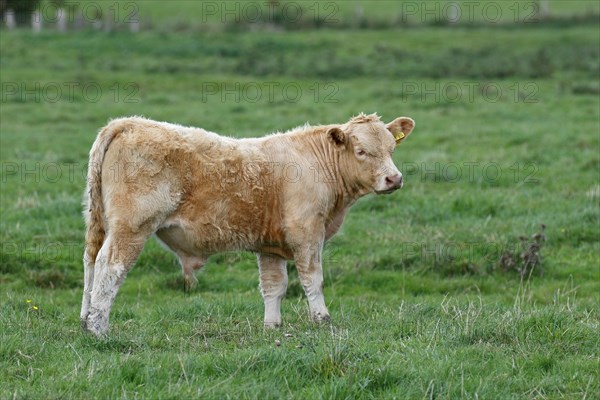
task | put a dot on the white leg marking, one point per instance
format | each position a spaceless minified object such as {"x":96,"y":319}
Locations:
{"x":108,"y":277}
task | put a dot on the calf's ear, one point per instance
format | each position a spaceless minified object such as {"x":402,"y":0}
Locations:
{"x":336,"y":136}
{"x":401,"y":127}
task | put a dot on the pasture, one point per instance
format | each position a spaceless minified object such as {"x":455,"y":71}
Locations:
{"x":440,"y":290}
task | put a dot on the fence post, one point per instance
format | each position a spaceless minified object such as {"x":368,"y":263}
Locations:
{"x":453,"y":13}
{"x":108,"y":21}
{"x":61,"y":20}
{"x":36,"y":21}
{"x":134,"y":23}
{"x":359,"y":15}
{"x":544,"y":9}
{"x":10,"y":19}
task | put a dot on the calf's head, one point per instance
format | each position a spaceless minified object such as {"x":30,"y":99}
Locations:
{"x":367,"y":145}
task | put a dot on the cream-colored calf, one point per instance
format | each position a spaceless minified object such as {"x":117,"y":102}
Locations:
{"x":281,"y":196}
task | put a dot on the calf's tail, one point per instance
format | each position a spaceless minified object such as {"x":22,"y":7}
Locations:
{"x":93,"y":204}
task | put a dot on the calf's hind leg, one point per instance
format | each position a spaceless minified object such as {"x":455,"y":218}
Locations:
{"x":88,"y":283}
{"x":116,"y":257}
{"x":188,"y":266}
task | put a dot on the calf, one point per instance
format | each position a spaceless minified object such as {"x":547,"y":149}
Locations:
{"x":281,"y":196}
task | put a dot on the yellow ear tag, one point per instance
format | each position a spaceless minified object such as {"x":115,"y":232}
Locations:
{"x":399,"y":137}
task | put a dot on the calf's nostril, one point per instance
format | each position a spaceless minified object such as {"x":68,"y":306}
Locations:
{"x":395,"y":180}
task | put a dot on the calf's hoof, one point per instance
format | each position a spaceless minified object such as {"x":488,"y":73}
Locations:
{"x":96,"y":331}
{"x":321,"y":317}
{"x":272,"y":324}
{"x":96,"y":326}
{"x":190,"y":282}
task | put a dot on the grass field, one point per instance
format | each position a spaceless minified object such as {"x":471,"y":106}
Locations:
{"x":429,"y":294}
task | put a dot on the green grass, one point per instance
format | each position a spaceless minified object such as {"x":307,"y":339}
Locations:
{"x":420,"y":306}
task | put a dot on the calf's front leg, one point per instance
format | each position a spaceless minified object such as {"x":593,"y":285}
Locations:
{"x":310,"y":270}
{"x":273,"y":285}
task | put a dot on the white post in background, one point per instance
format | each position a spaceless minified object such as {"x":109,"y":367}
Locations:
{"x":134,"y":23}
{"x":359,"y":14}
{"x":10,"y":19}
{"x":61,"y":20}
{"x":544,"y":9}
{"x":36,"y":21}
{"x":453,"y":13}
{"x":108,"y":19}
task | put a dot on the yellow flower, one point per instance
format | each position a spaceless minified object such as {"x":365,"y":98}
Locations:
{"x":35,"y":307}
{"x":29,"y":301}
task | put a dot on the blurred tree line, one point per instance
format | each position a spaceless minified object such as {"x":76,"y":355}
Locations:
{"x":22,"y":9}
{"x":19,"y":6}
